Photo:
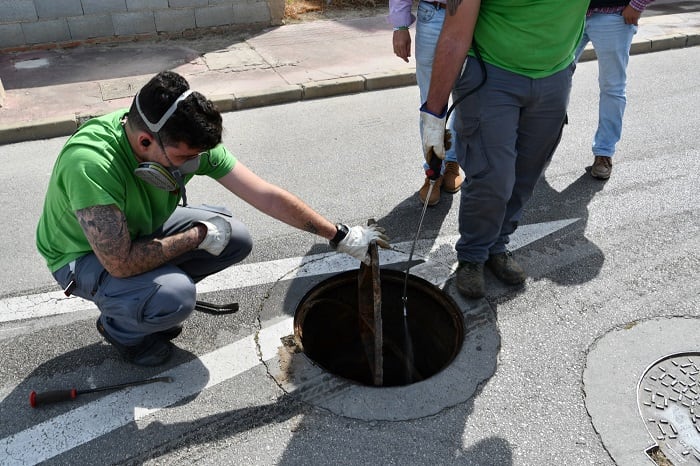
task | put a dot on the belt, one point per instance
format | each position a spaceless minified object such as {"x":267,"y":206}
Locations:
{"x":437,"y":5}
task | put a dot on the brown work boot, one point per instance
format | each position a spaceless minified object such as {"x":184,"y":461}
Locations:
{"x":602,"y":167}
{"x":470,"y":279}
{"x":452,"y":180}
{"x":434,"y":195}
{"x":506,"y":268}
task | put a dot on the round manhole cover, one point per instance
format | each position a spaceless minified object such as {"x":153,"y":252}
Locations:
{"x":668,"y":396}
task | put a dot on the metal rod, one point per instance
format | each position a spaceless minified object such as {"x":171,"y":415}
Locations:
{"x":413,"y":246}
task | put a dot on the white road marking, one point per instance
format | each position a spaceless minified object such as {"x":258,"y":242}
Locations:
{"x":54,"y":303}
{"x":87,"y":422}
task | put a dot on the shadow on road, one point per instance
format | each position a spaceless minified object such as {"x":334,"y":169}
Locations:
{"x":568,"y":257}
{"x":565,"y":257}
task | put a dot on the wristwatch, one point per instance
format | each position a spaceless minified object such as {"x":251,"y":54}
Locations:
{"x":340,"y":234}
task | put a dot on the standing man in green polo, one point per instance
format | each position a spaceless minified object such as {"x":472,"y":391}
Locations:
{"x":506,"y":131}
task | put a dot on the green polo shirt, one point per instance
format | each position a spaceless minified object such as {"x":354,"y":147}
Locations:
{"x":533,"y":38}
{"x":96,"y":167}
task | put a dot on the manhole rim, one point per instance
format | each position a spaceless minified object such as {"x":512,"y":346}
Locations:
{"x":458,"y":383}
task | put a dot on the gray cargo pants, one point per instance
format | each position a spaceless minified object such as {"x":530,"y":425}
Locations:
{"x":154,"y":301}
{"x":507,"y":133}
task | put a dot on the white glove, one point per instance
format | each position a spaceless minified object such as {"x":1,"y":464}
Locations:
{"x":218,"y":235}
{"x":432,"y":134}
{"x":356,"y":242}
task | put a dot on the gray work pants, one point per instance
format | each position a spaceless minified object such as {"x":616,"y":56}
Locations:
{"x":162,"y":298}
{"x":506,"y":135}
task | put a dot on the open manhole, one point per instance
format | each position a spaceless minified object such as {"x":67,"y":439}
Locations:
{"x":330,"y":329}
{"x":668,"y":396}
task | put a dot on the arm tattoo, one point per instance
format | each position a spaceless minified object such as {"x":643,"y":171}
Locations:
{"x":452,"y":6}
{"x":106,"y":229}
{"x":310,"y":227}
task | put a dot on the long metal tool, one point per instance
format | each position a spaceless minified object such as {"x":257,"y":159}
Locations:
{"x":37,"y":399}
{"x":211,"y":308}
{"x":433,"y":173}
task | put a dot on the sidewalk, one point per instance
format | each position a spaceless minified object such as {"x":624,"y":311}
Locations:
{"x":48,"y":93}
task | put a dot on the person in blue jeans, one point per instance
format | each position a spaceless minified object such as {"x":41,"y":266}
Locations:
{"x":430,"y":16}
{"x":610,"y":26}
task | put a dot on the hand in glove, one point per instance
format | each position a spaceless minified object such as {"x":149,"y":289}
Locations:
{"x":356,"y":242}
{"x":436,"y":140}
{"x":218,"y":235}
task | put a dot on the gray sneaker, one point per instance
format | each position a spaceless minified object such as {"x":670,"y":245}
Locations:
{"x":470,"y":279}
{"x":506,"y":268}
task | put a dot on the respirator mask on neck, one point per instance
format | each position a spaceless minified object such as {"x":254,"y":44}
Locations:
{"x":155,"y":174}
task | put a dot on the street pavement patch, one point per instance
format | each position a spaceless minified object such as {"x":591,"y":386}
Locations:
{"x":617,"y":365}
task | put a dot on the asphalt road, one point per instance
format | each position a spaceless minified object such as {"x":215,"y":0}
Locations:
{"x":601,"y":256}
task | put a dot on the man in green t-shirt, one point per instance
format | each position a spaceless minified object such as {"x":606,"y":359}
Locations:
{"x":112,"y":231}
{"x":511,"y":107}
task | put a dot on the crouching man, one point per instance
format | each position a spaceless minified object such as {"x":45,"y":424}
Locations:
{"x":113,"y":230}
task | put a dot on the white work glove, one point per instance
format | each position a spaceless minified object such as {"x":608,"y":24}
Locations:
{"x":433,"y":134}
{"x":356,"y":242}
{"x":218,"y":235}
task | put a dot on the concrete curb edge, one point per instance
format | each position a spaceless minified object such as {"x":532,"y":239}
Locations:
{"x":66,"y":125}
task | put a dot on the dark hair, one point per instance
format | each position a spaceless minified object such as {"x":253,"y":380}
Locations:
{"x":196,"y":121}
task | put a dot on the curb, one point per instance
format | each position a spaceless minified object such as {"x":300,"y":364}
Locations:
{"x":40,"y":129}
{"x":66,"y":125}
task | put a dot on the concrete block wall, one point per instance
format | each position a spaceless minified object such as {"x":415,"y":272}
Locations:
{"x":32,"y":23}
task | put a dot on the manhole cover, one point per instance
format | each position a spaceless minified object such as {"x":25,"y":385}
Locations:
{"x":668,"y":396}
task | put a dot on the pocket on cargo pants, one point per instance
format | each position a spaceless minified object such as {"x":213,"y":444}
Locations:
{"x":470,"y":153}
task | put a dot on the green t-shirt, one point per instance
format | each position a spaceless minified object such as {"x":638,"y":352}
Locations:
{"x":533,"y":38}
{"x":96,"y":167}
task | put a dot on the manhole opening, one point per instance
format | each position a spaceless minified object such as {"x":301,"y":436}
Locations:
{"x":328,"y":328}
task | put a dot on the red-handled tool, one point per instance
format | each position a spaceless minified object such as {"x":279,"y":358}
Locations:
{"x":54,"y":396}
{"x":434,"y":169}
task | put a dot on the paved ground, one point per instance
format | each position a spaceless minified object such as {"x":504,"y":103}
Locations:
{"x":550,"y":374}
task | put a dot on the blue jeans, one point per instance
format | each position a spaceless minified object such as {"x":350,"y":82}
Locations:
{"x":428,"y":27}
{"x":611,"y":39}
{"x":508,"y":131}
